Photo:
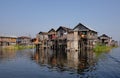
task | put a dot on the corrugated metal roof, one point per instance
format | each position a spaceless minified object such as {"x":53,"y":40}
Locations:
{"x":53,"y":30}
{"x":2,"y":35}
{"x":65,"y":28}
{"x":81,"y":27}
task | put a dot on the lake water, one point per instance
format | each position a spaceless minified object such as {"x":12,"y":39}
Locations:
{"x":58,"y":64}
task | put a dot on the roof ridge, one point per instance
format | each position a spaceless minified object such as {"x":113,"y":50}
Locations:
{"x":81,"y":26}
{"x":51,"y":30}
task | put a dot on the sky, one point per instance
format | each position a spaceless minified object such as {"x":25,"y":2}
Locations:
{"x":29,"y":17}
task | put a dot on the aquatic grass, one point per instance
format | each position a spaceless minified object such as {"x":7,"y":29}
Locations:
{"x":102,"y":48}
{"x":18,"y":47}
{"x":99,"y":49}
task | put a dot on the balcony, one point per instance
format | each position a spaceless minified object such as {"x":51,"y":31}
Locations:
{"x":62,"y":37}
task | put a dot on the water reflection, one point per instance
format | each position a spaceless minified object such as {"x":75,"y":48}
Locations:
{"x":7,"y":55}
{"x":65,"y":60}
{"x":58,"y":64}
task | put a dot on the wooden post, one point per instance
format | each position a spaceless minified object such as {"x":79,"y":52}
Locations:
{"x":76,"y":40}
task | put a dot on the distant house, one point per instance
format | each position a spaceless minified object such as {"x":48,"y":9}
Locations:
{"x":105,"y":39}
{"x":114,"y":43}
{"x":24,"y":40}
{"x":7,"y":40}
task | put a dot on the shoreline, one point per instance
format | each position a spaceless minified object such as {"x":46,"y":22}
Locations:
{"x":17,"y":47}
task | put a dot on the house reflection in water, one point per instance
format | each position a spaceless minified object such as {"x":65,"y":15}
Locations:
{"x":64,"y":61}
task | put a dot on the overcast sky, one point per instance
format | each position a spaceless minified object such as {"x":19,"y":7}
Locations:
{"x":28,"y":17}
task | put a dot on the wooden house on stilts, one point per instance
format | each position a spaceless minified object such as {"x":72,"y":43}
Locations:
{"x":62,"y":33}
{"x":52,"y":38}
{"x":81,"y":37}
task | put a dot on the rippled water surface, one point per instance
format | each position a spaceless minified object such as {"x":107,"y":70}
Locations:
{"x":58,"y":64}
